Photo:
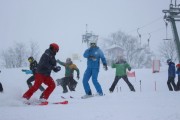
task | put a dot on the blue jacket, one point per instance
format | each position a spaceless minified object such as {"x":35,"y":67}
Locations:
{"x":178,"y":71}
{"x":171,"y":70}
{"x":93,"y":55}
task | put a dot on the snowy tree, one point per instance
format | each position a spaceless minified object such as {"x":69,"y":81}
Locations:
{"x":135,"y":54}
{"x":167,"y":50}
{"x":34,"y":50}
{"x":15,"y":57}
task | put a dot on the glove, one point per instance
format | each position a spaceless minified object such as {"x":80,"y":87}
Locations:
{"x":92,"y":57}
{"x":56,"y":68}
{"x":23,"y":70}
{"x":105,"y":67}
{"x":129,"y":68}
{"x":28,"y":71}
{"x":58,"y":60}
{"x":78,"y":77}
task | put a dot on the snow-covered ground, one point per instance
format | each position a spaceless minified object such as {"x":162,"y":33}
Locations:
{"x":147,"y":104}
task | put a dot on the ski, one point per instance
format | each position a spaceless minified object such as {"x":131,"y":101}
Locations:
{"x":66,"y":97}
{"x":87,"y":96}
{"x":90,"y":96}
{"x":48,"y":103}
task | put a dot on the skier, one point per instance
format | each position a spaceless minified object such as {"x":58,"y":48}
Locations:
{"x":1,"y":87}
{"x":68,"y":80}
{"x":46,"y":64}
{"x":121,"y":66}
{"x":93,"y":55}
{"x":171,"y":75}
{"x":33,"y":68}
{"x":178,"y":73}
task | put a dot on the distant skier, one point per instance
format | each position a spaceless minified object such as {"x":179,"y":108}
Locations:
{"x":1,"y":87}
{"x":178,"y":73}
{"x":46,"y":64}
{"x":93,"y":55}
{"x":121,"y":66}
{"x":171,"y":75}
{"x":33,"y":68}
{"x":68,"y":80}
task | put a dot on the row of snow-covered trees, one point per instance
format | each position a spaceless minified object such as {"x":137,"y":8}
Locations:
{"x":136,"y":54}
{"x":17,"y":55}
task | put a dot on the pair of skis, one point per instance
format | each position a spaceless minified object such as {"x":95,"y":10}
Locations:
{"x":47,"y":103}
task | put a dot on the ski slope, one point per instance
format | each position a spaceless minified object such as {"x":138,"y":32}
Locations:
{"x":147,"y":103}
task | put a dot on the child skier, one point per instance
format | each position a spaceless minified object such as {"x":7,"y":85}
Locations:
{"x":68,"y":80}
{"x":33,"y":68}
{"x":121,"y":67}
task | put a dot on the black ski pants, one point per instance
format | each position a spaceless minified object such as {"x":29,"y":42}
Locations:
{"x":1,"y":88}
{"x":178,"y":83}
{"x":171,"y":83}
{"x":117,"y":78}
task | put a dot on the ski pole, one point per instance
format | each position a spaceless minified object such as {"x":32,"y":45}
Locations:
{"x":140,"y":85}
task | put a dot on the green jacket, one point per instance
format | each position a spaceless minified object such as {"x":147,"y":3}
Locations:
{"x":121,"y":68}
{"x":69,"y":69}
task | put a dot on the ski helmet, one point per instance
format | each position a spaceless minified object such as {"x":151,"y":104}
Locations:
{"x":54,"y":47}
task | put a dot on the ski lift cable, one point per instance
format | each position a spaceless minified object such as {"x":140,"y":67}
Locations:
{"x":143,"y":26}
{"x":154,"y":31}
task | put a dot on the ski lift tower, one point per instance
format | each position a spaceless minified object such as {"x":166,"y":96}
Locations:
{"x":87,"y":37}
{"x":172,"y":15}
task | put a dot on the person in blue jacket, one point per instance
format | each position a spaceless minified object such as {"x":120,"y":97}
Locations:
{"x":93,"y":55}
{"x":171,"y":75}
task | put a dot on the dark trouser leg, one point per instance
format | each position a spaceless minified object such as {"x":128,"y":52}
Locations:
{"x":128,"y":83}
{"x":178,"y":84}
{"x":169,"y":82}
{"x":41,"y":88}
{"x":116,"y":79}
{"x":65,"y":82}
{"x":1,"y":88}
{"x":31,"y":79}
{"x":72,"y":84}
{"x":29,"y":83}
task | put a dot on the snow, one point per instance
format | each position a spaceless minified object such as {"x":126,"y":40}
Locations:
{"x":147,"y":104}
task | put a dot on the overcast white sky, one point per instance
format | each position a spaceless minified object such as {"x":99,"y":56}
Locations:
{"x":64,"y":21}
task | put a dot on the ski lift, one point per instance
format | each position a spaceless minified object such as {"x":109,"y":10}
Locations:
{"x":139,"y":35}
{"x":166,"y":23}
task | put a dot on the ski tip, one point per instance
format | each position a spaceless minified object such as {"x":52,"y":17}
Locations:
{"x":63,"y":102}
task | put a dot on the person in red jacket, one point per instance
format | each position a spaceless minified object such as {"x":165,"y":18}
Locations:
{"x":46,"y":64}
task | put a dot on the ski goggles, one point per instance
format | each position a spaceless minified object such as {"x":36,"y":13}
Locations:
{"x":93,"y":44}
{"x":30,"y":60}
